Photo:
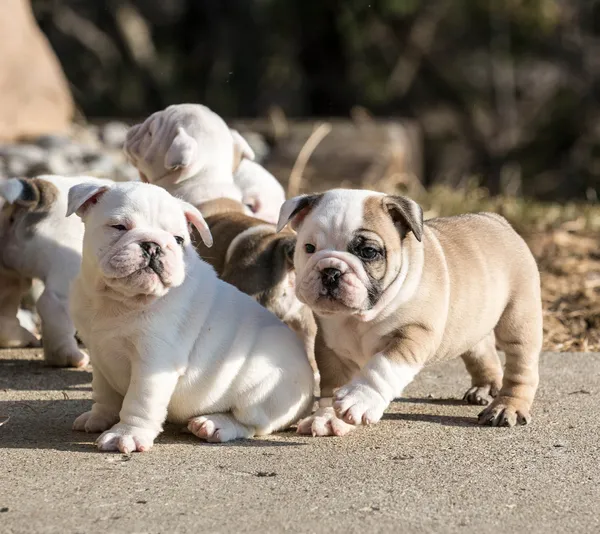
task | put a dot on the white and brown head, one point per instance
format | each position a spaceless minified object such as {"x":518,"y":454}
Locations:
{"x":351,"y":251}
{"x":136,"y":237}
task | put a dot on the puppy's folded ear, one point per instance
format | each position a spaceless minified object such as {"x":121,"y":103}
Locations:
{"x":295,"y":210}
{"x":407,"y":213}
{"x":83,"y":196}
{"x":183,"y":151}
{"x":194,"y":217}
{"x":241,"y":146}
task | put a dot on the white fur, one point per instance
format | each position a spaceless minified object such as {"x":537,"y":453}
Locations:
{"x":188,"y":150}
{"x":50,"y":252}
{"x":365,"y":398}
{"x":10,"y":189}
{"x":199,"y":353}
{"x":260,"y":190}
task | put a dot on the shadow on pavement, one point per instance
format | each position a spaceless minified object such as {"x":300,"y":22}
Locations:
{"x":27,"y":375}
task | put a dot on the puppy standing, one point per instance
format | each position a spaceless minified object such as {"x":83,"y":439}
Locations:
{"x":189,"y":150}
{"x":166,"y":337}
{"x":392,"y":293}
{"x":39,"y":242}
{"x":250,"y":255}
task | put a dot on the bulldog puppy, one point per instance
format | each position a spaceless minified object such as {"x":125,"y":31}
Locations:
{"x":188,"y":150}
{"x":250,"y":255}
{"x":167,"y":338}
{"x":392,"y":294}
{"x":261,"y":191}
{"x":38,"y":242}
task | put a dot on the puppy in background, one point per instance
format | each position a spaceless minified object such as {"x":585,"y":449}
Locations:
{"x":38,"y":242}
{"x":392,"y":293}
{"x":167,"y":338}
{"x":189,"y":150}
{"x":249,"y":254}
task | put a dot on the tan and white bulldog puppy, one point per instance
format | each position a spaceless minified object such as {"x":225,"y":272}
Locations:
{"x":392,"y":294}
{"x":251,"y":255}
{"x":38,"y":242}
{"x":189,"y":150}
{"x":167,"y":338}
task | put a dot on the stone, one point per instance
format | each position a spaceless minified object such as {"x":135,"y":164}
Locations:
{"x":51,"y":142}
{"x":113,"y":134}
{"x":35,"y":94}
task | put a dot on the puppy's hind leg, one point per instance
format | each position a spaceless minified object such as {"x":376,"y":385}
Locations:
{"x":219,"y":428}
{"x":483,"y":364}
{"x":519,"y":334}
{"x":58,"y":331}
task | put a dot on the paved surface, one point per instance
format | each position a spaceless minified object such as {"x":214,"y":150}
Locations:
{"x":425,"y":468}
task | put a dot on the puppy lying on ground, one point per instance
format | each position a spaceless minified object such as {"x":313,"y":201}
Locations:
{"x":392,"y":293}
{"x":37,"y":241}
{"x":167,"y":338}
{"x":188,"y":150}
{"x":250,"y":255}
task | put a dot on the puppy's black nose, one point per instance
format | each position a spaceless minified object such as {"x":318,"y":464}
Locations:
{"x":151,"y":248}
{"x":330,"y":277}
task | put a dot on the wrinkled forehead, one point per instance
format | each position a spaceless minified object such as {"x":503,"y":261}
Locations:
{"x":143,"y":205}
{"x":339,"y":215}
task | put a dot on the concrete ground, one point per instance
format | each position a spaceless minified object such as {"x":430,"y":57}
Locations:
{"x":425,"y":468}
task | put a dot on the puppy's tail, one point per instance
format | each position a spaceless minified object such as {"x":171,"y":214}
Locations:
{"x":32,"y":194}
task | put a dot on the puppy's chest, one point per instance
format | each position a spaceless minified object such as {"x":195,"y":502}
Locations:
{"x":351,"y":342}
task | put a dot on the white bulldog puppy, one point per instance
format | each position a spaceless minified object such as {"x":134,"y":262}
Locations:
{"x":189,"y":150}
{"x":261,"y":191}
{"x":38,"y":242}
{"x":167,"y":339}
{"x":392,"y":293}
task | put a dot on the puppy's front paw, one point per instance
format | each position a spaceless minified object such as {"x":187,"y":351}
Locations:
{"x":94,"y":422}
{"x":66,"y":358}
{"x":505,"y":411}
{"x":358,"y":403}
{"x":481,"y":395}
{"x":218,"y":428}
{"x":126,"y":439}
{"x":324,"y":422}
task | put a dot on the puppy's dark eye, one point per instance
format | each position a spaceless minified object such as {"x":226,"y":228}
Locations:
{"x":119,"y":227}
{"x":368,"y":253}
{"x":309,"y":248}
{"x":180,"y":240}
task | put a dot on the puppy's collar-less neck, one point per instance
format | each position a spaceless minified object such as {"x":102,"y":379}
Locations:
{"x":400,"y":283}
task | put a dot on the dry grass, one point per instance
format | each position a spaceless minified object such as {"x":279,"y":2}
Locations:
{"x":565,"y":239}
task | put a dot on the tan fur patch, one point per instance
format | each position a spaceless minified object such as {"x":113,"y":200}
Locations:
{"x":220,"y":206}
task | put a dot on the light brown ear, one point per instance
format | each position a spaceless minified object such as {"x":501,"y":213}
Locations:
{"x":406,"y":213}
{"x":295,"y":210}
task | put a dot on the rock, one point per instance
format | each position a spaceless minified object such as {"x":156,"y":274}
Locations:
{"x":35,"y":95}
{"x":113,"y":134}
{"x":19,"y":159}
{"x":125,"y":172}
{"x":51,"y":142}
{"x":99,"y":165}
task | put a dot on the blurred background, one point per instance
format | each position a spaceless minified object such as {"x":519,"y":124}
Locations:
{"x":462,"y":104}
{"x":507,"y":92}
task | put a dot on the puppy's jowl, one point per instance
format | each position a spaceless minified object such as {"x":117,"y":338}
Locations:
{"x":167,"y":338}
{"x":392,"y":293}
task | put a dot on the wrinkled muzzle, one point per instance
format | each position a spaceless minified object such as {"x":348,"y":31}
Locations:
{"x":143,"y":263}
{"x":333,"y":282}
